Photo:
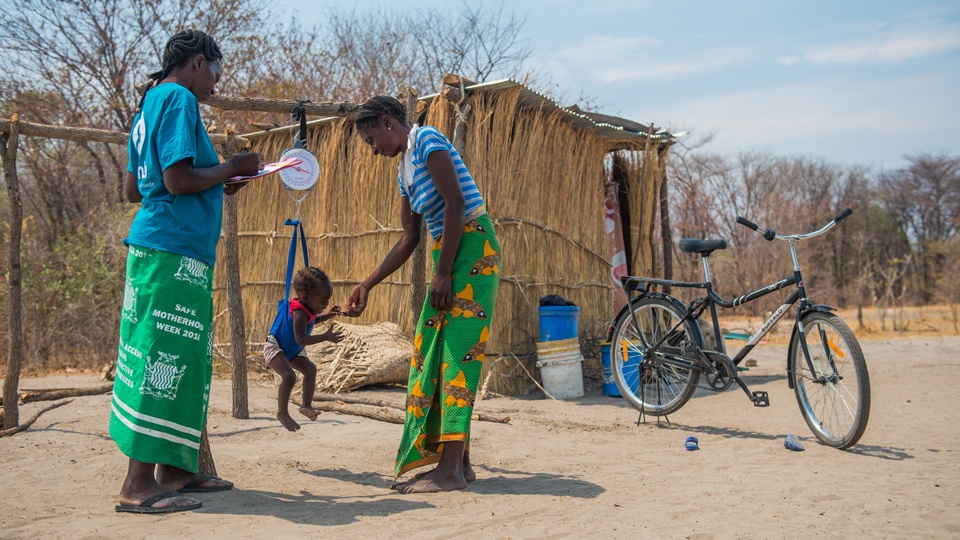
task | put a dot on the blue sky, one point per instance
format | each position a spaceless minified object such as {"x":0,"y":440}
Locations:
{"x":851,"y":82}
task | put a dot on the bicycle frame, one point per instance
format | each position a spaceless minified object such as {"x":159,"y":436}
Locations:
{"x":661,"y":361}
{"x":712,"y":299}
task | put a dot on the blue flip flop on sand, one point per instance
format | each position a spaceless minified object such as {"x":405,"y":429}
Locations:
{"x":793,"y":443}
{"x":692,"y":443}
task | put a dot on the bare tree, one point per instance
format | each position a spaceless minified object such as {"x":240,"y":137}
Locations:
{"x":479,"y":44}
{"x":924,"y":198}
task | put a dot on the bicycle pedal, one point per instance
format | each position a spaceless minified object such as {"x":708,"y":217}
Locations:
{"x":760,"y":399}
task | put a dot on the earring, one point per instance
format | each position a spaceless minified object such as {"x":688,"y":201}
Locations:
{"x":388,"y":128}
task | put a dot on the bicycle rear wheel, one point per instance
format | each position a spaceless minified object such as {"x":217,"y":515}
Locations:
{"x":644,"y":379}
{"x":834,"y":398}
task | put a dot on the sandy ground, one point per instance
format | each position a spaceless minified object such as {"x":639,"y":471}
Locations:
{"x":558,"y":470}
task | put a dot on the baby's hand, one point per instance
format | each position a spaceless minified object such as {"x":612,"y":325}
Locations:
{"x":331,"y":335}
{"x":334,"y":311}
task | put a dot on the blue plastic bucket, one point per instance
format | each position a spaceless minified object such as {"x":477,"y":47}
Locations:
{"x":631,"y":364}
{"x":609,"y":386}
{"x":558,"y":322}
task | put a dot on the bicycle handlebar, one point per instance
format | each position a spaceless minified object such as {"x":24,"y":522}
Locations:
{"x":747,"y":223}
{"x":770,"y":234}
{"x":840,"y":217}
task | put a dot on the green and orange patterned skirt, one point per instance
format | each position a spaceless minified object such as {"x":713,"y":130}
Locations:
{"x":448,"y":358}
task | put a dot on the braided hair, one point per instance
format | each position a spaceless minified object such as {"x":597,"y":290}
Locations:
{"x":378,"y":107}
{"x":178,"y":51}
{"x":308,"y":279}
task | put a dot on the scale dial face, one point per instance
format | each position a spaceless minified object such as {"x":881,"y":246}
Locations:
{"x":300,"y":177}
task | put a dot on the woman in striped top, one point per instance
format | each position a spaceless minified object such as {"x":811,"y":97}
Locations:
{"x":453,"y":328}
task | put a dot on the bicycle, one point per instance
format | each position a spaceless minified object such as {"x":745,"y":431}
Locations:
{"x":658,"y":354}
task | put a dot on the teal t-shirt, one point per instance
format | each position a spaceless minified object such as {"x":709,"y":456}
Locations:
{"x":167,"y":130}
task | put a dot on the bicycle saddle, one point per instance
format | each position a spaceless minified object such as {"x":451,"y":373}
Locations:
{"x":703,"y":247}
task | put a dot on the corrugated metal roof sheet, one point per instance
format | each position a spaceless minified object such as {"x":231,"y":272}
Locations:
{"x":605,"y":126}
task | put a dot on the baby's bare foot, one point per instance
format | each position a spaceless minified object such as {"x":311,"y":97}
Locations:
{"x":288,"y":422}
{"x":310,"y":413}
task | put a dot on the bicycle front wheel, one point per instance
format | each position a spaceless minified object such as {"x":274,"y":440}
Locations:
{"x":834,"y":396}
{"x":652,"y":381}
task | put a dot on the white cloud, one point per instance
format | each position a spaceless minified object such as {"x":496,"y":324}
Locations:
{"x":610,"y":59}
{"x":894,"y":45}
{"x":845,"y":119}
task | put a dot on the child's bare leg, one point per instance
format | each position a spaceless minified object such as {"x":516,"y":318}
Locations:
{"x":287,"y":379}
{"x":309,"y":370}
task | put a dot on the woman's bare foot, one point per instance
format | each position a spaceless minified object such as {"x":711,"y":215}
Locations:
{"x":432,"y":482}
{"x":468,"y":474}
{"x":287,"y":421}
{"x":310,"y":413}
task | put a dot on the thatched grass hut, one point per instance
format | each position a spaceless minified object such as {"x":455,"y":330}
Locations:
{"x":545,"y":173}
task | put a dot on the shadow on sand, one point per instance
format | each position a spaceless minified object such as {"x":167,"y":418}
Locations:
{"x":532,"y":483}
{"x":305,"y":508}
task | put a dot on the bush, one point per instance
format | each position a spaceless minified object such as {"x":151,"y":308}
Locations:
{"x":72,"y":293}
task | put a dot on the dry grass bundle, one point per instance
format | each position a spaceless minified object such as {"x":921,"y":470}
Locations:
{"x":369,"y":354}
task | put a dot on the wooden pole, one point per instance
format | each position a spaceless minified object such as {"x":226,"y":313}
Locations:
{"x":85,"y":134}
{"x":666,"y":236}
{"x":454,"y":90}
{"x":227,"y":103}
{"x":11,"y":382}
{"x":205,"y":463}
{"x":418,"y":264}
{"x":231,"y":256}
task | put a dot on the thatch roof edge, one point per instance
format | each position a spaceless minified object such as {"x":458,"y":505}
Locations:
{"x":528,"y":97}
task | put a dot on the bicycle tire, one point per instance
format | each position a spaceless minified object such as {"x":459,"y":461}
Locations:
{"x":665,"y":387}
{"x":835,"y":408}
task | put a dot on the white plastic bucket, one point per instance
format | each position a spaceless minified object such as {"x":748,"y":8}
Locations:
{"x":560,"y":368}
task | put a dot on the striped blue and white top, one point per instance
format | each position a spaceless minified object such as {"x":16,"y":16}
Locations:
{"x":422,"y":194}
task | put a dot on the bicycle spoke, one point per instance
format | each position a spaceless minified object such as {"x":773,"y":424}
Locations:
{"x":647,"y":376}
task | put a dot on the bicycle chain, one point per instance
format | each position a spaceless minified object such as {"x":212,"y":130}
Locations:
{"x":690,"y":349}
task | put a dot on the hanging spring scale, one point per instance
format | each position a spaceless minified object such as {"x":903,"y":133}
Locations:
{"x":300,"y":178}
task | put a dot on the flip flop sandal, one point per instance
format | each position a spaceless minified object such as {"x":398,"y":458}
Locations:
{"x":196,"y":484}
{"x":793,"y":443}
{"x":692,"y":443}
{"x":146,"y":507}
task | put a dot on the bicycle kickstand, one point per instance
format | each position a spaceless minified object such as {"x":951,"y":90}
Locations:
{"x":642,"y":418}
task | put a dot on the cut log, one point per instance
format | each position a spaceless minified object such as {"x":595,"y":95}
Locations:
{"x":377,"y":409}
{"x":50,"y":394}
{"x":384,"y":414}
{"x":324,"y":396}
{"x":28,"y":423}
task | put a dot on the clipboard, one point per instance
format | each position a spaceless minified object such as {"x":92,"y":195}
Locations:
{"x":267,"y":170}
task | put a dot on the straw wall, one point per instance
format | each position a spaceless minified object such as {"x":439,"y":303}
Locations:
{"x":543,"y":183}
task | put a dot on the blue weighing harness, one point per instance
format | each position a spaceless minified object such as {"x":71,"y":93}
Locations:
{"x":282,"y":328}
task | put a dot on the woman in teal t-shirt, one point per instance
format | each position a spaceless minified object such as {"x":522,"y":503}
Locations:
{"x":164,"y":362}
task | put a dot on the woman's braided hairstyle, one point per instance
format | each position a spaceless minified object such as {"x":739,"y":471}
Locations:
{"x":378,"y":107}
{"x":308,"y":279}
{"x":179,"y":50}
